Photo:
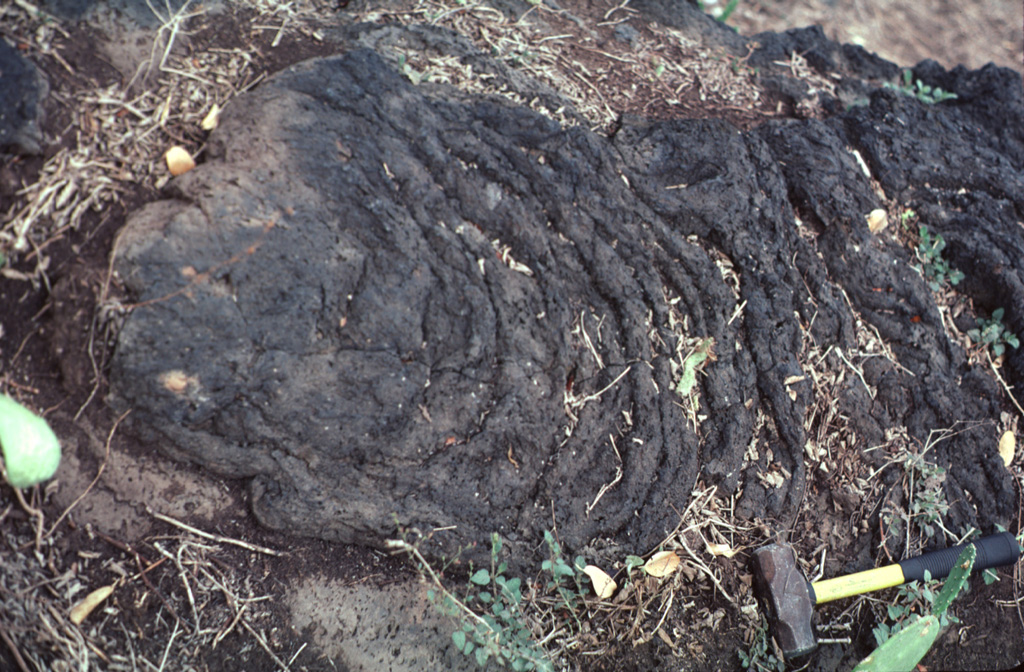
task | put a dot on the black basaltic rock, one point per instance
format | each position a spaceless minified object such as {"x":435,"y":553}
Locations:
{"x":377,"y":300}
{"x":22,"y":91}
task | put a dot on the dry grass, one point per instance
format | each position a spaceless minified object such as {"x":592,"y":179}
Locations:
{"x":587,"y":67}
{"x":644,"y":607}
{"x":195,"y":589}
{"x":173,"y":598}
{"x":120,"y":132}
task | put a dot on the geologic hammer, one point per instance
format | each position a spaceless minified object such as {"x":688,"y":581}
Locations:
{"x":791,"y":598}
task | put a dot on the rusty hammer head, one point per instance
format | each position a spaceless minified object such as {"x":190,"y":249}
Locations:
{"x":781,"y":585}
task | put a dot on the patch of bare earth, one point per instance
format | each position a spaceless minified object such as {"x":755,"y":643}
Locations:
{"x":969,"y":33}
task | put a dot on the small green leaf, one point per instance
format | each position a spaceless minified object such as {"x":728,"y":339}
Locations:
{"x":459,"y":639}
{"x":482,"y":655}
{"x":633,"y":561}
{"x":481,"y":578}
{"x":881,"y":633}
{"x":957,"y":577}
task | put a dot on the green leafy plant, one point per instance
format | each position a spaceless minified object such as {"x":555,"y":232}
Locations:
{"x":912,"y":600}
{"x":905,"y":217}
{"x":759,"y":655}
{"x":633,"y":562}
{"x":993,"y":333}
{"x":902,"y":651}
{"x":694,"y":362}
{"x":499,"y":631}
{"x":491,"y":621}
{"x":923,"y":481}
{"x":31,"y":450}
{"x":917,"y":89}
{"x":566,"y":580}
{"x":935,"y":269}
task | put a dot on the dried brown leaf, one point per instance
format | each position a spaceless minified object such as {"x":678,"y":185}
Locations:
{"x":211,"y":119}
{"x":877,"y":220}
{"x":81,"y":611}
{"x":179,"y":161}
{"x":1007,"y":446}
{"x":662,"y":564}
{"x":604,"y":585}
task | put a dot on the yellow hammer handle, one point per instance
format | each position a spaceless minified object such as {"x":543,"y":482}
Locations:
{"x":855,"y":584}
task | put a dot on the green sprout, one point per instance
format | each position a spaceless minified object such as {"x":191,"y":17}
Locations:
{"x":760,"y":657}
{"x":915,"y":88}
{"x":994,"y":334}
{"x":936,"y":270}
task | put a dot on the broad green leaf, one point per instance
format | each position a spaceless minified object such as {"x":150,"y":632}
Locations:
{"x":31,"y":450}
{"x":481,"y":577}
{"x":903,"y":651}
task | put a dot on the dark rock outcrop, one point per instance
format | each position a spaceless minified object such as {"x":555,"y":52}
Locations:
{"x":22,"y":90}
{"x":379,"y":299}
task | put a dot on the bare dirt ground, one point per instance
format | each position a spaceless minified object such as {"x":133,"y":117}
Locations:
{"x":196,"y":584}
{"x":952,"y":33}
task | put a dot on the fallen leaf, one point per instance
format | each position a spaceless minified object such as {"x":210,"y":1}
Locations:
{"x":604,"y":585}
{"x":1007,"y":445}
{"x":211,"y":119}
{"x":179,"y":161}
{"x":81,"y":611}
{"x":721,"y":549}
{"x":662,"y":564}
{"x":877,"y":220}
